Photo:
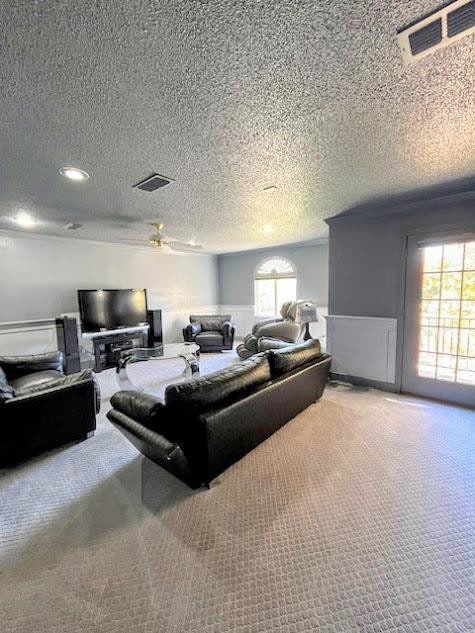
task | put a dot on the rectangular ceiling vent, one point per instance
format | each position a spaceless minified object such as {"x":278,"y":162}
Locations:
{"x":447,"y":25}
{"x":153,"y":182}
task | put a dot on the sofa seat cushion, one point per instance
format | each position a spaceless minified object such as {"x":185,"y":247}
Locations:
{"x":35,"y":382}
{"x":6,"y":390}
{"x":291,"y":357}
{"x":208,"y":339}
{"x":220,"y":388}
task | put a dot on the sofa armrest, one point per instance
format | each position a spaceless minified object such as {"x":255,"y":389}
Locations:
{"x":39,"y":421}
{"x":17,"y":366}
{"x":190,"y":331}
{"x":155,"y":446}
{"x":228,"y":332}
{"x":141,"y":407}
{"x":259,"y":324}
{"x":62,"y":402}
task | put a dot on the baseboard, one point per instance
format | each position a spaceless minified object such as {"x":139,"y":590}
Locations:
{"x":363,"y":382}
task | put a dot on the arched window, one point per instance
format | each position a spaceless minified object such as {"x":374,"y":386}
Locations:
{"x":275,"y":281}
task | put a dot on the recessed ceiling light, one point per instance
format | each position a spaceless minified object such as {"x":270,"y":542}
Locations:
{"x":192,"y":243}
{"x":267,"y":228}
{"x":270,"y":189}
{"x":73,"y":173}
{"x":24,"y":219}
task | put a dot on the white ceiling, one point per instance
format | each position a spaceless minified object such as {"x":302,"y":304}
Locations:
{"x":225,"y":97}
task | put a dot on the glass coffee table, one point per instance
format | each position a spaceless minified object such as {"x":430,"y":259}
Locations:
{"x":189,"y":352}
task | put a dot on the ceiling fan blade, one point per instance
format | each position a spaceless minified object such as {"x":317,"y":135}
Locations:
{"x":128,"y":241}
{"x":184,"y":246}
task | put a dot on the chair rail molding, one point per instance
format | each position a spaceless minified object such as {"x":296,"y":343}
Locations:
{"x":39,"y":335}
{"x":363,"y":347}
{"x":28,"y":337}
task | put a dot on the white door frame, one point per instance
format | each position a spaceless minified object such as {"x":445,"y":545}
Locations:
{"x":411,"y":382}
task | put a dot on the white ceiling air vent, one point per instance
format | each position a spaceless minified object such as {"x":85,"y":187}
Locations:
{"x":153,"y":182}
{"x":447,"y":25}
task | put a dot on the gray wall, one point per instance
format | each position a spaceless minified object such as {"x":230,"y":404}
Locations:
{"x":39,"y":276}
{"x":236,"y":272}
{"x":367,"y":256}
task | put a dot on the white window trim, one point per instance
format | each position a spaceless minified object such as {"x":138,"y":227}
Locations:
{"x":275,"y":277}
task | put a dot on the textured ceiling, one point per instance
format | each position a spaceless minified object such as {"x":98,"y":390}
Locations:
{"x":225,"y":97}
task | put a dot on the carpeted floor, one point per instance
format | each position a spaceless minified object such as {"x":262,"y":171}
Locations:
{"x":357,"y":516}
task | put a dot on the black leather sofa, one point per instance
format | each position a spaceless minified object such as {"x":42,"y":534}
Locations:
{"x":207,"y":424}
{"x":40,"y":408}
{"x":212,"y":332}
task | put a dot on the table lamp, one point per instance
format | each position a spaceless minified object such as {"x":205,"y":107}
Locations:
{"x":306,"y":313}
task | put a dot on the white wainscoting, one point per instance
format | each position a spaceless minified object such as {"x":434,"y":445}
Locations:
{"x":27,"y":337}
{"x":39,"y":336}
{"x":363,"y":347}
{"x":244,"y":318}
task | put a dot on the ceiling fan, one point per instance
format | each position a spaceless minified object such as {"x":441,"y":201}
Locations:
{"x":158,"y":240}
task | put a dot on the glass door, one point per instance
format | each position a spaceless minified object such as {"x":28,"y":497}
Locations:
{"x":439,"y":332}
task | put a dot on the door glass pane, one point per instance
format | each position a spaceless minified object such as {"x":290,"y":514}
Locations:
{"x":469,"y":263}
{"x":467,"y":314}
{"x":431,"y":286}
{"x":453,"y":257}
{"x":469,"y":285}
{"x":447,"y":313}
{"x":432,"y":259}
{"x":430,"y":313}
{"x":451,"y":285}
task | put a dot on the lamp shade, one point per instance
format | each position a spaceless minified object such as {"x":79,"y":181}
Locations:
{"x":306,"y":313}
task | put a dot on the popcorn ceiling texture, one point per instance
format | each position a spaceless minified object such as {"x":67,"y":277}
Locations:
{"x":225,"y":97}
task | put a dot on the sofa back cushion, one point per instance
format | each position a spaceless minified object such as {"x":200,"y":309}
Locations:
{"x":291,"y":357}
{"x":16,"y":366}
{"x":220,"y":388}
{"x":6,"y":390}
{"x":210,"y":322}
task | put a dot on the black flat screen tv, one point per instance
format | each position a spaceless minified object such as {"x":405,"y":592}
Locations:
{"x":112,"y":309}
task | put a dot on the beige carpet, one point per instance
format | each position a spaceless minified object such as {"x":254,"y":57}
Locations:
{"x":357,"y":516}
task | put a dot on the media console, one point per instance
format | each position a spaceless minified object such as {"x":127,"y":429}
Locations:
{"x":109,"y":347}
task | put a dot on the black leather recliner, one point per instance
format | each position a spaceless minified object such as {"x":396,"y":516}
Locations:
{"x":213,"y":333}
{"x":209,"y":423}
{"x":40,"y":408}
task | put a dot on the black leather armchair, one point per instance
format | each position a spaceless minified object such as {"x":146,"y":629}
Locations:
{"x":40,"y":408}
{"x":213,"y":333}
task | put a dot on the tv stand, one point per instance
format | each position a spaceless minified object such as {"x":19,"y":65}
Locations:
{"x":111,"y":346}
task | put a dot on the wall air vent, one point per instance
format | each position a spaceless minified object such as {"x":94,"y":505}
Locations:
{"x":438,"y":30}
{"x":153,"y":182}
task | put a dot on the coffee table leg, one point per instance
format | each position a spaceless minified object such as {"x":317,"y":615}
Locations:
{"x":192,"y":365}
{"x":122,"y":377}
